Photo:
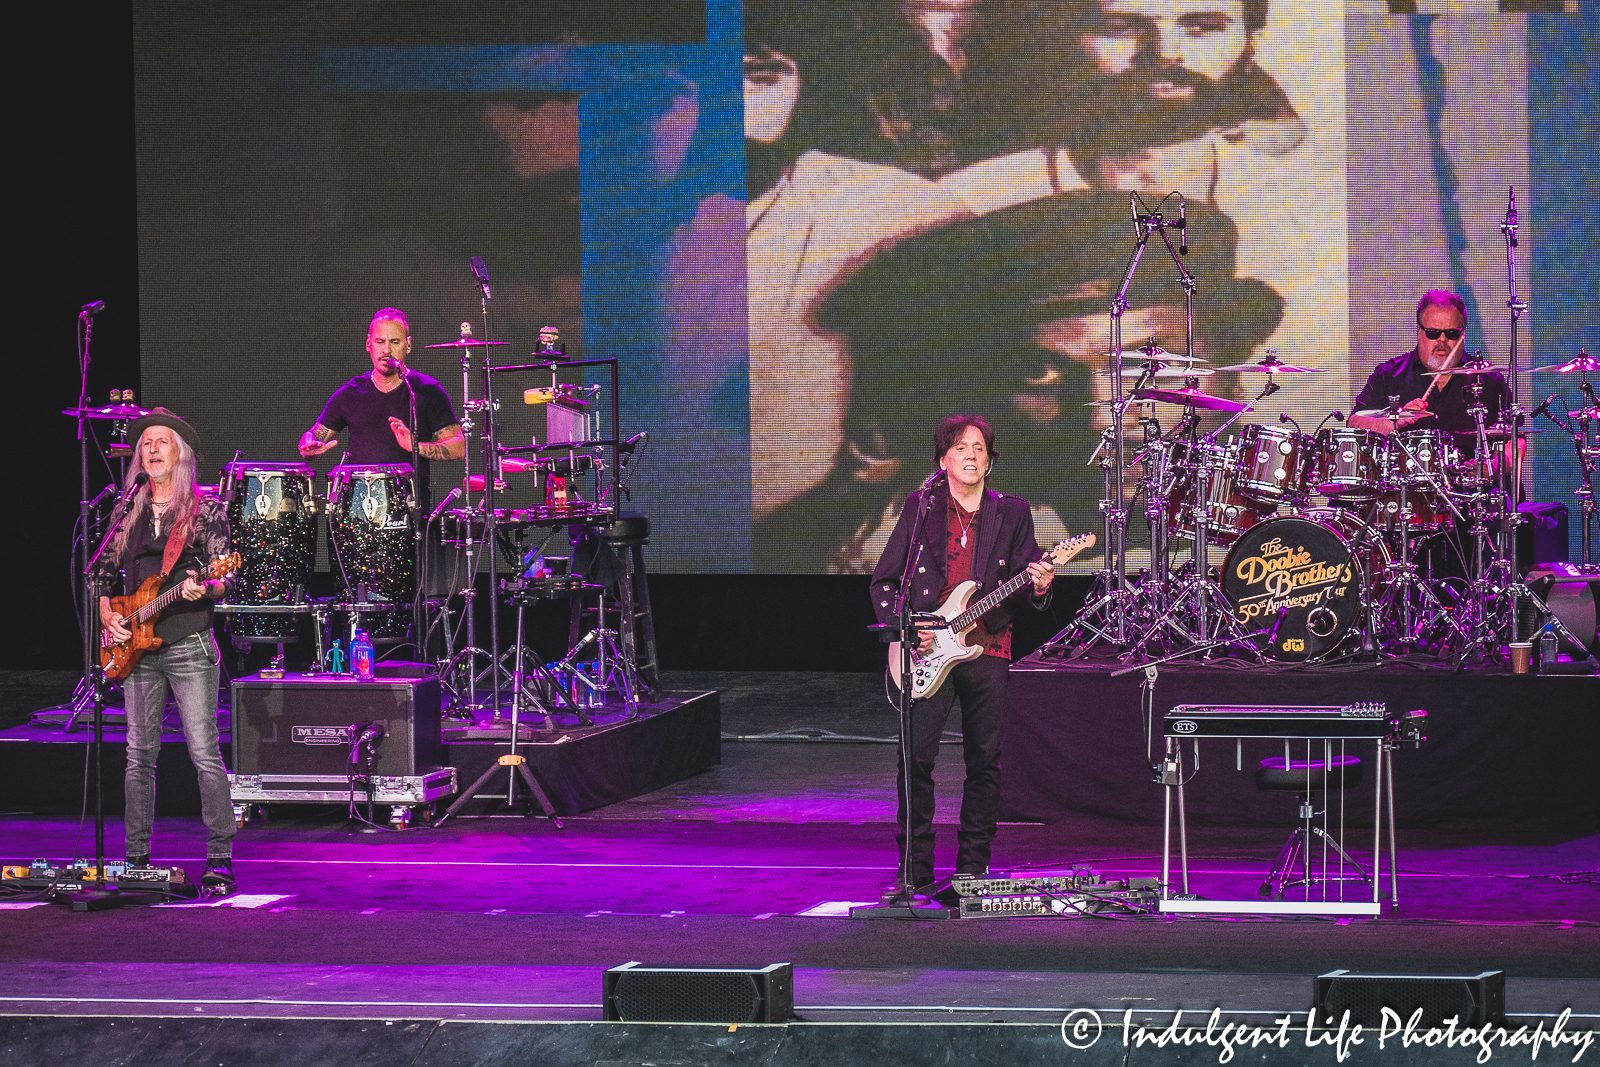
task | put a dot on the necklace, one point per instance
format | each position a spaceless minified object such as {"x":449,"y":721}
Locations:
{"x":966,"y":523}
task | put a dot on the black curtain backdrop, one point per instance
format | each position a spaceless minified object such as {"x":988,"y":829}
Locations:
{"x":74,"y":221}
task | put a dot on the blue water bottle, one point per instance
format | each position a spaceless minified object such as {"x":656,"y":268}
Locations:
{"x":361,"y":657}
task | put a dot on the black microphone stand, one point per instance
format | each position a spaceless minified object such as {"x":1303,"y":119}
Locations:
{"x":420,"y":506}
{"x":906,"y":629}
{"x":103,"y":894}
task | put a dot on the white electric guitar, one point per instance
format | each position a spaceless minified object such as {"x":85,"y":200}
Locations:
{"x":929,"y":669}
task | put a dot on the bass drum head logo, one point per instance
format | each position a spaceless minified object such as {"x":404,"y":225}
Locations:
{"x":1306,"y":570}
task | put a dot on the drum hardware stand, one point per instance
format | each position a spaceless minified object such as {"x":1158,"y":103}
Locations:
{"x":1106,"y":616}
{"x":1587,"y":467}
{"x":1403,"y":572}
{"x":619,"y":672}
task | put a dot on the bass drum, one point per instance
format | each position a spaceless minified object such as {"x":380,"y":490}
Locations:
{"x":1313,"y":568}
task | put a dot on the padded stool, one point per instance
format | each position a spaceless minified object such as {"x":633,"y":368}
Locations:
{"x":1308,"y":778}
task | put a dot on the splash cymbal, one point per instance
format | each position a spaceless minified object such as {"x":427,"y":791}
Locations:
{"x":467,"y":342}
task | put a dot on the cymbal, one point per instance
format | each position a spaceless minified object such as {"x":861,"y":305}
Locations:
{"x":1165,"y":370}
{"x":1465,"y":368}
{"x":110,"y":411}
{"x":1273,"y":367}
{"x":1193,"y":398}
{"x":467,"y":342}
{"x":1582,"y":362}
{"x":1112,"y":403}
{"x":1587,"y":413}
{"x":1498,"y":433}
{"x":1383,"y":413}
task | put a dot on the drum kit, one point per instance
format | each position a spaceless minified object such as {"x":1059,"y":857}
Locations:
{"x":1327,"y":538}
{"x":375,"y":524}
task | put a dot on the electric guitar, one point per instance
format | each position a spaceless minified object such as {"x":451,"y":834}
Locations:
{"x":141,"y":608}
{"x":929,"y":669}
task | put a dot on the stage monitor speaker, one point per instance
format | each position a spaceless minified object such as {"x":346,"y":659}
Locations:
{"x":1473,"y":999}
{"x":637,"y":994}
{"x":299,"y":725}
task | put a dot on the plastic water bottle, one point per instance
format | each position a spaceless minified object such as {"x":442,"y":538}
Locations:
{"x":361,"y":657}
{"x":1547,"y":647}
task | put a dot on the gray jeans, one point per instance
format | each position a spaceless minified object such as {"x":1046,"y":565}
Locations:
{"x":191,"y":667}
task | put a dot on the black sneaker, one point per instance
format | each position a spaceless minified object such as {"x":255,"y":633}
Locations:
{"x":138,"y":861}
{"x":218,"y":879}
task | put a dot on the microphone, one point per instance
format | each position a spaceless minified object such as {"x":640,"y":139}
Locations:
{"x":1285,"y":418}
{"x":1542,"y":408}
{"x":89,"y":311}
{"x":481,"y":272}
{"x":138,"y":483}
{"x":932,"y":480}
{"x":363,"y":735}
{"x":450,"y":496}
{"x":1183,"y":228}
{"x":105,"y":494}
{"x":1133,"y":212}
{"x":1511,"y":215}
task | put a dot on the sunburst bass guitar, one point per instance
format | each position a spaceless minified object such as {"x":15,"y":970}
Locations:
{"x":929,"y":669}
{"x":141,"y":608}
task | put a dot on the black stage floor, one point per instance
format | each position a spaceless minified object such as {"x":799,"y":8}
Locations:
{"x":483,"y":941}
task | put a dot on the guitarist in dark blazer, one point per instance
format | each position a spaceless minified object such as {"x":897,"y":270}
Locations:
{"x":171,"y":529}
{"x":969,"y":532}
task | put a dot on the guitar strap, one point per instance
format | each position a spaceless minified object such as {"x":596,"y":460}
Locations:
{"x":175,"y":546}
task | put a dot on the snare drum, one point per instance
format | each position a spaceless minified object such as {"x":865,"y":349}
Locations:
{"x":272,"y":513}
{"x":369,"y":529}
{"x":1422,"y":458}
{"x":1274,"y":464}
{"x":1230,"y":512}
{"x":1351,"y":462}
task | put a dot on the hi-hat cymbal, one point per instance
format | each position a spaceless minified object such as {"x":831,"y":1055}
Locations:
{"x":467,"y":342}
{"x":110,"y":411}
{"x":1587,"y":413}
{"x":1465,"y":368}
{"x":1112,"y":403}
{"x":1272,"y":366}
{"x":1583,"y":362}
{"x":1193,"y":398}
{"x":1384,"y":413}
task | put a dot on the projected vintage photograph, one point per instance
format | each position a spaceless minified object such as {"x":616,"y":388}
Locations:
{"x":949,"y":171}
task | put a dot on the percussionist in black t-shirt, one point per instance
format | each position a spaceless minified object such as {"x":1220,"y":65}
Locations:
{"x":1428,"y":402}
{"x":376,"y":407}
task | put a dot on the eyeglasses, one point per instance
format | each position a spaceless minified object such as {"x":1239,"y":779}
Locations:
{"x":1433,"y":335}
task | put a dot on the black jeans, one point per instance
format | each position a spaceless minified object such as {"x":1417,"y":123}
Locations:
{"x":981,"y":686}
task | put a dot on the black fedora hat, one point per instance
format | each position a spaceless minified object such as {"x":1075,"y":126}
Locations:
{"x":163,"y":417}
{"x":1056,"y":257}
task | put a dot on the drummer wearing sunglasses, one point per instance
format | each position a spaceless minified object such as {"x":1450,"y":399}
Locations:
{"x":1442,"y":401}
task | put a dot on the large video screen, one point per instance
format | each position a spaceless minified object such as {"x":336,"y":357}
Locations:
{"x":809,"y":231}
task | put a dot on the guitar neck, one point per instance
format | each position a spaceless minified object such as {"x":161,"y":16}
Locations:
{"x":159,"y":604}
{"x":990,"y":602}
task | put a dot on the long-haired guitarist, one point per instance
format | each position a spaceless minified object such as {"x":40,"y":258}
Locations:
{"x":171,"y":529}
{"x":969,"y":533}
